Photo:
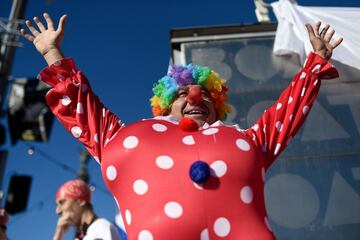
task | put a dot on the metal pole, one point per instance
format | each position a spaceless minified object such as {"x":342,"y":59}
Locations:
{"x":83,"y":170}
{"x":7,"y":49}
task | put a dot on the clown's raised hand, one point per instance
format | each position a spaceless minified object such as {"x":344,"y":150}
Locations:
{"x":47,"y":40}
{"x":321,"y":41}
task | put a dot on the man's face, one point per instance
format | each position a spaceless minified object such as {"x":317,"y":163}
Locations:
{"x":202,"y":111}
{"x":69,"y":210}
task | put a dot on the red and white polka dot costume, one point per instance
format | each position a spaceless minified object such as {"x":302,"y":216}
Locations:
{"x":146,"y":164}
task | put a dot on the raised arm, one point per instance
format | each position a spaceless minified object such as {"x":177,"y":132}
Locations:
{"x":46,"y":40}
{"x":278,"y":125}
{"x":71,"y":99}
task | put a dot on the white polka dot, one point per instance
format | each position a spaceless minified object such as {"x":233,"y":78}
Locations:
{"x":316,"y":68}
{"x":218,"y":168}
{"x":131,"y":142}
{"x":316,"y":82}
{"x":242,"y":144}
{"x":246,"y":194}
{"x":79,"y":108}
{"x":164,"y":162}
{"x":278,"y":106}
{"x":264,"y":128}
{"x":255,"y":127}
{"x":173,"y":210}
{"x":290,"y":100}
{"x":140,"y":187}
{"x":278,"y":126}
{"x":204,"y":235}
{"x":290,"y":117}
{"x":65,"y":100}
{"x":303,"y":92}
{"x":254,"y":137}
{"x":263,"y":174}
{"x":76,"y":131}
{"x":303,"y":75}
{"x":128,"y":216}
{"x":73,"y":71}
{"x":210,"y":131}
{"x":198,"y":186}
{"x":222,"y":227}
{"x":84,"y":87}
{"x":305,"y":109}
{"x":145,"y":235}
{"x":267,"y":224}
{"x":111,"y":173}
{"x":277,"y":148}
{"x":188,"y":140}
{"x":111,"y":126}
{"x":305,"y":62}
{"x":96,"y":138}
{"x":159,"y":127}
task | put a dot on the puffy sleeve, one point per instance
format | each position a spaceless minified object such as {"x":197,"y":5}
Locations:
{"x":73,"y":102}
{"x":277,"y":126}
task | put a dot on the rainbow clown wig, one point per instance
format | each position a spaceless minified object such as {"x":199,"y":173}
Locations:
{"x":180,"y":75}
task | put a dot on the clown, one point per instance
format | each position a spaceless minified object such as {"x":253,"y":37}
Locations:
{"x":209,"y":183}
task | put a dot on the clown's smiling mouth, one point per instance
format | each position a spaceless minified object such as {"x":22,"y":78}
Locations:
{"x":195,"y":112}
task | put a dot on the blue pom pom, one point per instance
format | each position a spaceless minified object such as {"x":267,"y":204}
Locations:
{"x":199,"y":171}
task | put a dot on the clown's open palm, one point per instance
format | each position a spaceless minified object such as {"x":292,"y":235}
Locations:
{"x":321,"y":41}
{"x":47,"y":40}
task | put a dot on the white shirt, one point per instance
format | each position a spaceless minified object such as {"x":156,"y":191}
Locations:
{"x":102,"y":229}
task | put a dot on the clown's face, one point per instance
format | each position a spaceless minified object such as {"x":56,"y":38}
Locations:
{"x":195,"y":102}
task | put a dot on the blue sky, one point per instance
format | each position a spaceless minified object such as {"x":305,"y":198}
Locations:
{"x":123,"y":48}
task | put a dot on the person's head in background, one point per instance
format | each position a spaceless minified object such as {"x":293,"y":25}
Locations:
{"x":73,"y":200}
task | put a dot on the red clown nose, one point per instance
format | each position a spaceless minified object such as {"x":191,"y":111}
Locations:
{"x":194,"y":96}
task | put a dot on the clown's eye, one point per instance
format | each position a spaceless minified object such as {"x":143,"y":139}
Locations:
{"x":205,"y":93}
{"x":182,"y":94}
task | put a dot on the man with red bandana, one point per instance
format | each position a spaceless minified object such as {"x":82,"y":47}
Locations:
{"x":146,"y":165}
{"x":73,"y":204}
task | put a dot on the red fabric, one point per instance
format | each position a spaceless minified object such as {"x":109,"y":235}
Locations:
{"x":145,"y":165}
{"x":74,"y":189}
